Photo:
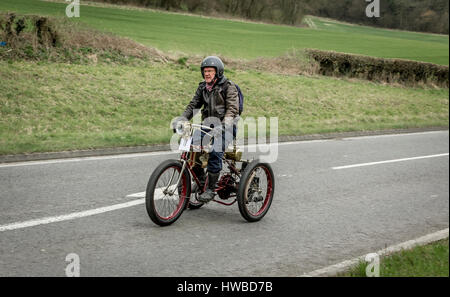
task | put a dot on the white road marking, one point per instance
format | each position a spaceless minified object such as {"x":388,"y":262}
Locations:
{"x":389,"y":161}
{"x":141,"y":195}
{"x":70,"y":160}
{"x":137,"y":195}
{"x":87,"y":213}
{"x":137,"y":155}
{"x":396,"y":135}
{"x":72,"y":216}
{"x":364,"y":137}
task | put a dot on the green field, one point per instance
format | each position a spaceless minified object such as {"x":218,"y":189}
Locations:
{"x":237,"y":39}
{"x":335,"y":26}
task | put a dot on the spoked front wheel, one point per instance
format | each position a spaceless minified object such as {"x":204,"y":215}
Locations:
{"x":164,"y":200}
{"x":256,"y":190}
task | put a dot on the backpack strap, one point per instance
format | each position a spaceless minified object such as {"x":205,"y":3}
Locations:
{"x":225,"y":89}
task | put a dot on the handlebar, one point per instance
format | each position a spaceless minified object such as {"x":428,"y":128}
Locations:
{"x":187,"y":129}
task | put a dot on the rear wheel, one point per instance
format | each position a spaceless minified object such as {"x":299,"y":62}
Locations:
{"x":256,"y":190}
{"x":165,"y":201}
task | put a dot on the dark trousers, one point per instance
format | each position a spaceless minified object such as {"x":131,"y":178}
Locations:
{"x":218,"y":147}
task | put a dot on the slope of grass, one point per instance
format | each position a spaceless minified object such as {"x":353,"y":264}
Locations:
{"x":67,"y":42}
{"x":198,"y":35}
{"x":54,"y":106}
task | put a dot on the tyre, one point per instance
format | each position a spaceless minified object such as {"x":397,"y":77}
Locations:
{"x":256,"y":190}
{"x":164,"y":201}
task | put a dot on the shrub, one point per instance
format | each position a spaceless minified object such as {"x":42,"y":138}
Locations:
{"x":405,"y":72}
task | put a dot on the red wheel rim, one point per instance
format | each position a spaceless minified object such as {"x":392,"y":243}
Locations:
{"x":182,"y":196}
{"x":268,"y":195}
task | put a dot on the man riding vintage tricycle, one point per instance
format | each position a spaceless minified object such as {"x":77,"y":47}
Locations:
{"x":179,"y":184}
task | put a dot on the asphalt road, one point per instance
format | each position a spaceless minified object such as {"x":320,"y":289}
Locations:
{"x":322,"y":213}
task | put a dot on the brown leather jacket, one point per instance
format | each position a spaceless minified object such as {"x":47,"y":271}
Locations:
{"x":222,"y":102}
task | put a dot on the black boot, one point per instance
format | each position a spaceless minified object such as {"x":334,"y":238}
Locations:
{"x":200,"y":173}
{"x":210,"y":192}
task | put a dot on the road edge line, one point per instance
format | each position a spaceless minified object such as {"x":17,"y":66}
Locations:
{"x":344,"y":266}
{"x":164,"y":148}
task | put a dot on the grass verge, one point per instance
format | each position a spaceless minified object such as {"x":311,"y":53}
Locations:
{"x":57,"y":106}
{"x":423,"y":261}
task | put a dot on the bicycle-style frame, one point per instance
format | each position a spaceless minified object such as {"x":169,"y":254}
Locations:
{"x":188,"y":158}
